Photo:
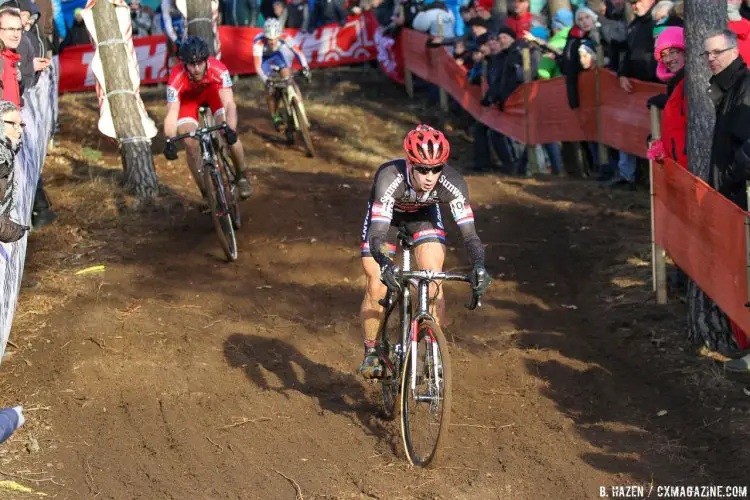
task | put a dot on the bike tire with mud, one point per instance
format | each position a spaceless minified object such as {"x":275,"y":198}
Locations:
{"x":390,"y":338}
{"x":429,"y":332}
{"x":222,"y":220}
{"x":303,"y":129}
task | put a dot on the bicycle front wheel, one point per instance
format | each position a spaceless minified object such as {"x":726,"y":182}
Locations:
{"x":220,"y":214}
{"x":304,"y":130}
{"x":426,"y":395}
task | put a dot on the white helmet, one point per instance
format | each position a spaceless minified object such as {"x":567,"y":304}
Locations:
{"x":272,"y":28}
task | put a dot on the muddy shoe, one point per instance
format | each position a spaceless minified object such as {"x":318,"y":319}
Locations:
{"x":739,"y":365}
{"x":371,"y":367}
{"x":246,"y":190}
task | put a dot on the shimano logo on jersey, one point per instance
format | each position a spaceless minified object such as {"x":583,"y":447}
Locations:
{"x":451,"y":188}
{"x":392,"y":188}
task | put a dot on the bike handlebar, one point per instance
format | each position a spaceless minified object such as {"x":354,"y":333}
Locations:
{"x":404,"y":276}
{"x":197,"y":133}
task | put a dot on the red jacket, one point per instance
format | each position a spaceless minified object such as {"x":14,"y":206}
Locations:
{"x":11,"y":89}
{"x":742,"y":30}
{"x":674,"y":125}
{"x":520,"y":24}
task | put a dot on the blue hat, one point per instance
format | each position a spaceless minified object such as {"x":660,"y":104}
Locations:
{"x":563,"y":19}
{"x":540,"y":32}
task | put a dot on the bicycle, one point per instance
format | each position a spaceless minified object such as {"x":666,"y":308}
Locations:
{"x":292,"y":110}
{"x":416,"y":357}
{"x":218,"y":182}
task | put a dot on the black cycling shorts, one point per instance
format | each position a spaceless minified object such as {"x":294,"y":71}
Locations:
{"x":425,"y":226}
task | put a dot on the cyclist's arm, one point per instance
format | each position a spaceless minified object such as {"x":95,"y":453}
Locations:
{"x":381,"y":214}
{"x":230,"y":107}
{"x":170,"y":122}
{"x":166,"y":15}
{"x":299,"y":55}
{"x":458,"y":200}
{"x":258,"y":60}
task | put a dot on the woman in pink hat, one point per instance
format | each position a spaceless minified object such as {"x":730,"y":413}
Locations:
{"x":669,"y":52}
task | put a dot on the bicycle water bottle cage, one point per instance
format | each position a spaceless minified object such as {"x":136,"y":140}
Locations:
{"x":404,"y":238}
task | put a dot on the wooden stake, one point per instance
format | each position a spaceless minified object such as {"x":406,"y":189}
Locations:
{"x":658,"y":256}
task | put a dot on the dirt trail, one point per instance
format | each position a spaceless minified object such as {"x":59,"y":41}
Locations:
{"x":176,"y":375}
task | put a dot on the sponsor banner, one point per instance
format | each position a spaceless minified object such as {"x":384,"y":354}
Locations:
{"x":329,"y":45}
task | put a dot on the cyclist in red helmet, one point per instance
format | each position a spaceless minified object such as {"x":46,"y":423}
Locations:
{"x":408,"y":191}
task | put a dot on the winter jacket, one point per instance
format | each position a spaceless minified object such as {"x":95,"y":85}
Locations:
{"x":77,"y":35}
{"x":10,"y":231}
{"x":638,"y":59}
{"x":548,"y":67}
{"x":614,"y":33}
{"x":329,"y":12}
{"x":742,"y":29}
{"x":298,"y":16}
{"x":520,"y":24}
{"x":11,"y":79}
{"x":436,"y":20}
{"x":570,"y":64}
{"x":673,"y":120}
{"x":730,"y":149}
{"x":510,"y":73}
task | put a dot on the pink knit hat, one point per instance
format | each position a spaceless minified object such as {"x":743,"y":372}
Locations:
{"x":672,"y":37}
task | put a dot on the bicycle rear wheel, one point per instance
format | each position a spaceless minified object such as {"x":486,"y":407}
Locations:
{"x":217,"y":194}
{"x":390,"y":343}
{"x":425,"y":408}
{"x":304,"y":130}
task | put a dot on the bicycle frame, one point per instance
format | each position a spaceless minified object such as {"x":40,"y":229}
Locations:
{"x":210,"y":161}
{"x":288,"y":93}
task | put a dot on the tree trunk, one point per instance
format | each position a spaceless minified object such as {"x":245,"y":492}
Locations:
{"x":138,"y":162}
{"x":555,"y":5}
{"x":701,"y":17}
{"x":200,"y":22}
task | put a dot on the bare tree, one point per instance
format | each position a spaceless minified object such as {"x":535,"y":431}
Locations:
{"x":701,"y":17}
{"x":200,"y":22}
{"x":135,"y":148}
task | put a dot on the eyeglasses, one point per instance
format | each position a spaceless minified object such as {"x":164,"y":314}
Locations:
{"x":426,"y":170}
{"x":13,"y":30}
{"x":20,"y":125}
{"x":715,"y":53}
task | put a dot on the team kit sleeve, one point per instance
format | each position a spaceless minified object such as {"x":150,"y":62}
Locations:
{"x":458,"y":201}
{"x":174,"y":85}
{"x":258,"y":59}
{"x":381,"y":215}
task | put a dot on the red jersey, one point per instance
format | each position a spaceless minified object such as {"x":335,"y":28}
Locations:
{"x":180,"y":87}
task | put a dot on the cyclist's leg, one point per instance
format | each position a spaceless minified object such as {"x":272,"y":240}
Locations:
{"x":371,"y":312}
{"x":429,"y":238}
{"x":187,"y":121}
{"x":276,"y":60}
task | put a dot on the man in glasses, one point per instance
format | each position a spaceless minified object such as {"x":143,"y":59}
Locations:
{"x":11,"y":129}
{"x":407,"y":191}
{"x":11,"y":33}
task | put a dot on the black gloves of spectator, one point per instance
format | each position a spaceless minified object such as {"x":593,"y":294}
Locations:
{"x":170,"y":151}
{"x":230,"y":135}
{"x":660,"y":101}
{"x":389,"y":275}
{"x":486,"y":101}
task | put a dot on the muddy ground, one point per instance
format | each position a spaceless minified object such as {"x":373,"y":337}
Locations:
{"x":173,"y":374}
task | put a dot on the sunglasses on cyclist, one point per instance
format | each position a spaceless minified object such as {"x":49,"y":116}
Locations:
{"x":424,"y":170}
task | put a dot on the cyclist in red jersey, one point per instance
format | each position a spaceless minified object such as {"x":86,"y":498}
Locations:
{"x":200,"y":79}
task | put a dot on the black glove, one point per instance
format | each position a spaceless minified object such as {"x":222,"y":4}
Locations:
{"x":170,"y":151}
{"x":230,"y":135}
{"x":485,"y":101}
{"x":389,"y":275}
{"x":306,"y":73}
{"x":480,"y":279}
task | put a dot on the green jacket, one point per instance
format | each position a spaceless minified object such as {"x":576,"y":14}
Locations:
{"x":548,"y":66}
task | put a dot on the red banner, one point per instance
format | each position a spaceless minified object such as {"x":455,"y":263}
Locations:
{"x":329,"y":45}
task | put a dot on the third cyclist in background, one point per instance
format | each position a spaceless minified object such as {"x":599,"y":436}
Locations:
{"x":270,"y":51}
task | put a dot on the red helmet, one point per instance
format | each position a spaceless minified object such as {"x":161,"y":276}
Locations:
{"x":426,"y":146}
